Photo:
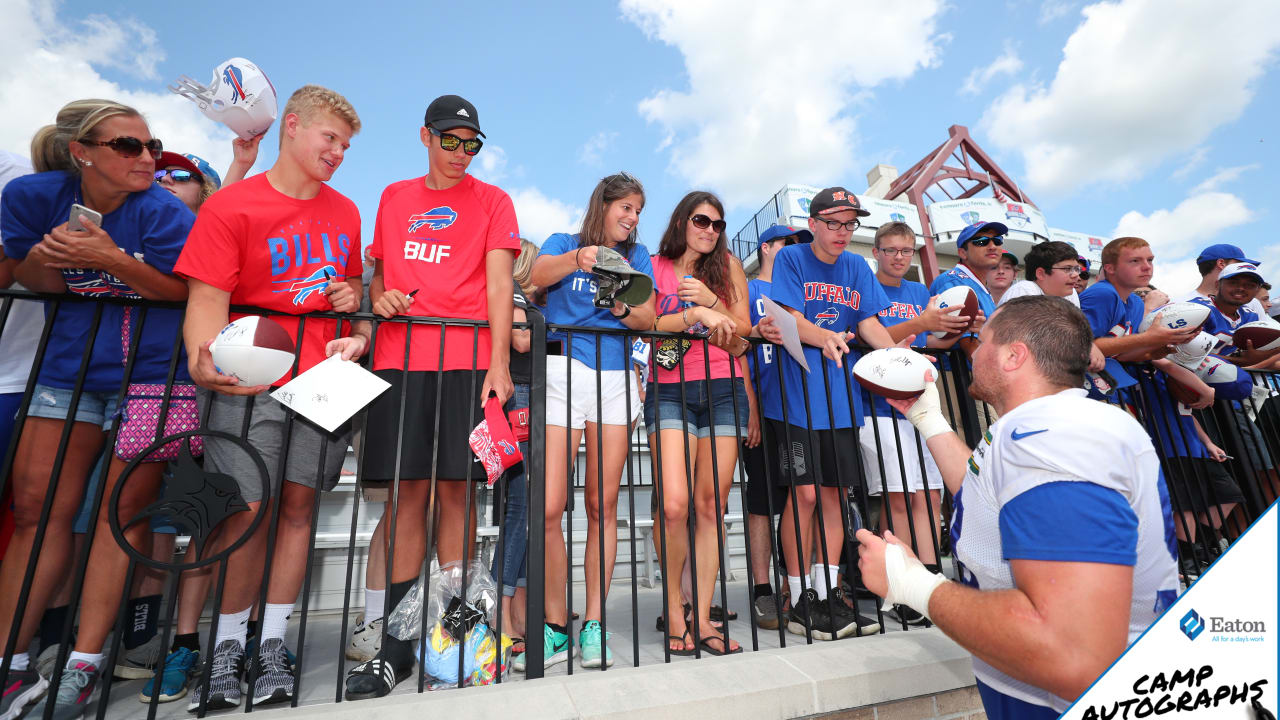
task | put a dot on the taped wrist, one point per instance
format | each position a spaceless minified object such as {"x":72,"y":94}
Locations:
{"x":910,"y":582}
{"x":926,"y":413}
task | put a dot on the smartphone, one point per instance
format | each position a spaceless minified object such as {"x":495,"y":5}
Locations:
{"x":79,"y":211}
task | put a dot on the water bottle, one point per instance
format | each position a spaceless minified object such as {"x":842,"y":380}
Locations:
{"x":697,"y":328}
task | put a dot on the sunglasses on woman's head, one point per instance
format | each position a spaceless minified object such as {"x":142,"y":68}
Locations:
{"x":450,"y":142}
{"x":177,"y":175}
{"x":984,"y":241}
{"x":702,"y":222}
{"x":130,"y":147}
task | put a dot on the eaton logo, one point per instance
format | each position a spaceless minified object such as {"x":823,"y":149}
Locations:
{"x":1192,"y":624}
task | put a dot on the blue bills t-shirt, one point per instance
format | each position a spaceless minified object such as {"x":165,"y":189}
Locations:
{"x":1223,"y":327}
{"x":834,"y":296}
{"x":572,"y":302}
{"x":1110,"y":315}
{"x":906,"y":301}
{"x":151,"y":226}
{"x":764,"y":371}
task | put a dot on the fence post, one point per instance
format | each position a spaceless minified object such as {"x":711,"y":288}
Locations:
{"x":535,"y":470}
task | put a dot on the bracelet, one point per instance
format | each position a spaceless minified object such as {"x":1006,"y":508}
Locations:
{"x":576,"y":263}
{"x":713,"y":302}
{"x":627,"y":311}
{"x":684,"y":317}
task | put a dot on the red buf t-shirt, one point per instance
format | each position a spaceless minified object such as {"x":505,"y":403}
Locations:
{"x":276,"y":252}
{"x":435,"y":242}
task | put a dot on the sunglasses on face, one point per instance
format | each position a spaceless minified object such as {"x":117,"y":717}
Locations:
{"x":130,"y":147}
{"x":702,"y":222}
{"x":450,"y":142}
{"x":176,"y":175}
{"x":1084,"y":275}
{"x":836,"y":225}
{"x":1070,"y":269}
{"x":984,"y":241}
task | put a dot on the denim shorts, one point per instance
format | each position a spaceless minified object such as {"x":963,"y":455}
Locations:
{"x":96,"y":408}
{"x":695,"y":415}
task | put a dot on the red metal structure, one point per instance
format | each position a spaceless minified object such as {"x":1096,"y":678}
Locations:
{"x":956,"y":169}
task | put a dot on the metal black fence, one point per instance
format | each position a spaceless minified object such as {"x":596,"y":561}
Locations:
{"x":659,"y":505}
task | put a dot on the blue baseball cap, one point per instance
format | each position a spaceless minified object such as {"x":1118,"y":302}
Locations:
{"x":190,"y":162}
{"x":777,"y":232}
{"x":1223,"y":251}
{"x":978,"y":227}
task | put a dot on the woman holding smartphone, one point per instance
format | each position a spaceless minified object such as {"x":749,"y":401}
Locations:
{"x":574,"y":405}
{"x":99,"y":155}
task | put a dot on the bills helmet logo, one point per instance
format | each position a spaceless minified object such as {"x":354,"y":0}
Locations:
{"x":434,"y":219}
{"x":233,"y":77}
{"x":305,"y":287}
{"x":827,"y":317}
{"x":506,"y":447}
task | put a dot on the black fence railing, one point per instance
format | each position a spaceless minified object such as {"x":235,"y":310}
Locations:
{"x":688,"y":490}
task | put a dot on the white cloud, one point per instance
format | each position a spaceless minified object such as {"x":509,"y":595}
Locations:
{"x":539,"y":216}
{"x":1139,"y":81}
{"x":48,"y":59}
{"x":592,"y":151}
{"x":1007,"y":64}
{"x":1051,"y":10}
{"x":762,"y":109}
{"x":1177,"y":235}
{"x":1222,"y":177}
{"x":490,"y":165}
{"x":1197,"y":158}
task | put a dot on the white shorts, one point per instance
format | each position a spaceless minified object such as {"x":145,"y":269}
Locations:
{"x":892,"y":477}
{"x":582,"y":408}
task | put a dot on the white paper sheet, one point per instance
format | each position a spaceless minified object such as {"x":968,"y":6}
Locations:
{"x":786,"y":322}
{"x":331,"y":392}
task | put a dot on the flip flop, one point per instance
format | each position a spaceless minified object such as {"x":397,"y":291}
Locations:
{"x":682,"y":653}
{"x":717,"y":614}
{"x":517,"y":645}
{"x":661,"y":624}
{"x":705,"y":644}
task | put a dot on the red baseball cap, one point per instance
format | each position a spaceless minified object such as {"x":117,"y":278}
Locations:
{"x":493,"y":442}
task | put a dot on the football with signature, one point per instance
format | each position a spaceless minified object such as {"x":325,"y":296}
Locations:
{"x":896,"y":373}
{"x":254,"y":350}
{"x":1264,"y":335}
{"x":1177,"y":316}
{"x":961,"y":296}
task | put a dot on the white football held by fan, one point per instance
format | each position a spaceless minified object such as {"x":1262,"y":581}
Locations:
{"x":1177,"y":316}
{"x":253,"y":350}
{"x":961,"y":296}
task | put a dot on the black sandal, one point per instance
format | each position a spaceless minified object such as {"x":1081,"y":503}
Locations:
{"x":717,"y":614}
{"x":705,"y":644}
{"x":374,"y":679}
{"x":661,"y":625}
{"x":681,"y":653}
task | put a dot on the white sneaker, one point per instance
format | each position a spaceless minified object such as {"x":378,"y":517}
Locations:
{"x":366,"y":640}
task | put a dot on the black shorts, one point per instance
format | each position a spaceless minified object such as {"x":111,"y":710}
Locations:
{"x":425,"y":441}
{"x":1196,"y":484}
{"x":836,"y":464}
{"x":762,"y":489}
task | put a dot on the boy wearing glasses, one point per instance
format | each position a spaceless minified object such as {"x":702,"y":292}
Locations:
{"x":1052,"y":269}
{"x":979,"y":247}
{"x":833,"y":295}
{"x":454,"y":239}
{"x":271,"y":241}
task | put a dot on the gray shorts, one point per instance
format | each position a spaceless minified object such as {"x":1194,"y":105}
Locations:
{"x":312,"y":450}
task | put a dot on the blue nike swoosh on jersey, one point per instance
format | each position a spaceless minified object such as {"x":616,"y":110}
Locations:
{"x":1018,"y":436}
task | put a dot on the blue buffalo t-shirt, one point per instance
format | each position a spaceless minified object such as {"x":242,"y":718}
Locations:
{"x":834,"y":296}
{"x":572,"y":302}
{"x":1110,"y":315}
{"x":906,"y":301}
{"x":151,"y":226}
{"x":764,"y":372}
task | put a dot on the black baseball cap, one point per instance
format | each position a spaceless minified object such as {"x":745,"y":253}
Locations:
{"x":835,"y":199}
{"x":452,"y":111}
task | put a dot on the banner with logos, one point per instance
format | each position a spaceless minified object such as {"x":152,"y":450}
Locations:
{"x":1213,"y":652}
{"x":794,"y":199}
{"x":1024,"y":220}
{"x":1089,"y":246}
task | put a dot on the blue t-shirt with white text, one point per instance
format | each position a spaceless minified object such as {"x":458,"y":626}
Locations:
{"x":1111,"y":316}
{"x":906,"y":301}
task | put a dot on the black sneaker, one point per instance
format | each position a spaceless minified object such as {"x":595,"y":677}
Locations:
{"x":902,"y":613}
{"x":809,"y":616}
{"x":846,"y":619}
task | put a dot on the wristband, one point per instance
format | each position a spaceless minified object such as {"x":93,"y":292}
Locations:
{"x":577,"y":264}
{"x":910,"y":583}
{"x":926,"y":413}
{"x":713,"y":302}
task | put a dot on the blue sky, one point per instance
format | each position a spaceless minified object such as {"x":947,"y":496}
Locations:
{"x":1141,"y":116}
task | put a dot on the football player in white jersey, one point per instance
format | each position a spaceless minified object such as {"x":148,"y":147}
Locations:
{"x":1066,"y":557}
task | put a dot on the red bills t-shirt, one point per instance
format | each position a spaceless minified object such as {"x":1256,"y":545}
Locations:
{"x":276,"y":252}
{"x":435,"y":241}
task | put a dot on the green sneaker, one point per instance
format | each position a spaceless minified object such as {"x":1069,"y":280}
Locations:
{"x":555,"y":650}
{"x":590,"y":641}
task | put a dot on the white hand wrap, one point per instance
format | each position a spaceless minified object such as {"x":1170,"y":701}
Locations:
{"x":910,"y":583}
{"x":926,"y":413}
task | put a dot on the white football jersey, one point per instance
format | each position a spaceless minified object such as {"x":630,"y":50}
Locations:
{"x":1064,"y":437}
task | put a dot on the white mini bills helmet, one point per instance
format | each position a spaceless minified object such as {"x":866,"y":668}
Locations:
{"x":240,"y":97}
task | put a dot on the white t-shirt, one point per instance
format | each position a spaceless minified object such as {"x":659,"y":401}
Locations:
{"x":20,"y":335}
{"x":1028,"y":287}
{"x":1030,"y":494}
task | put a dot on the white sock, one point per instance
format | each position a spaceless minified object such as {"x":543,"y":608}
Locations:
{"x":793,"y":584}
{"x":373,"y":600}
{"x":233,"y":626}
{"x":275,"y":620}
{"x":94,"y":659}
{"x":833,"y":573}
{"x":819,"y":583}
{"x":21,"y":661}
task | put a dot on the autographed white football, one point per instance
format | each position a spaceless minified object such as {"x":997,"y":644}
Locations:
{"x":962,"y":296}
{"x":1177,"y":316}
{"x":254,"y":350}
{"x":896,"y":373}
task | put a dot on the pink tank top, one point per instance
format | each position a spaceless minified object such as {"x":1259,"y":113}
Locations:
{"x":665,"y":284}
